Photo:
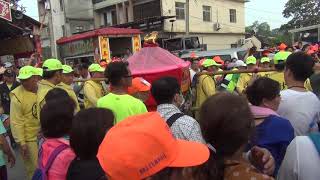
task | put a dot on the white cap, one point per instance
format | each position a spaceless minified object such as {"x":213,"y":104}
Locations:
{"x":8,"y":64}
{"x":240,"y":63}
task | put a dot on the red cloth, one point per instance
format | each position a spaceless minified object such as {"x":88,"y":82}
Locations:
{"x":152,"y":63}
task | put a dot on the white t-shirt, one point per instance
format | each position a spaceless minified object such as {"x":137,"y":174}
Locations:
{"x":301,"y":162}
{"x":302,"y":109}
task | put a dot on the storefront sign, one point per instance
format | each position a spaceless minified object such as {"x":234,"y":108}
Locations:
{"x":136,"y":43}
{"x":76,"y":48}
{"x":5,"y":10}
{"x":104,"y":48}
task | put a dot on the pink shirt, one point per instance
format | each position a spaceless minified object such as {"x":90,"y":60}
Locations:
{"x":59,"y":168}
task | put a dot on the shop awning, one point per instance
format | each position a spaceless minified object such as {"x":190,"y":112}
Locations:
{"x":109,"y":31}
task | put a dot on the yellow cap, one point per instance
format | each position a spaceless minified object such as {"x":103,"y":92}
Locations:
{"x":210,"y":62}
{"x":251,"y":60}
{"x":38,"y":71}
{"x":26,"y":72}
{"x":52,"y":65}
{"x":95,"y":68}
{"x":66,"y":69}
{"x":265,"y":59}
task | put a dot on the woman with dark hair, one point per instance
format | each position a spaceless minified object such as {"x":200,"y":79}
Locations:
{"x":227,"y":124}
{"x":88,"y":130}
{"x":56,"y":121}
{"x":272,"y":131}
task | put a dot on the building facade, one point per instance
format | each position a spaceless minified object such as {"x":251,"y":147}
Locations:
{"x":219,"y":24}
{"x":63,"y":18}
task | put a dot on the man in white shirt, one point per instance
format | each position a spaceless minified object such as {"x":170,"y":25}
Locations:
{"x":301,"y":162}
{"x":299,"y":106}
{"x":194,"y":69}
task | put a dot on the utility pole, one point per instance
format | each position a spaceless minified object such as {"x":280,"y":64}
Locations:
{"x":187,"y":17}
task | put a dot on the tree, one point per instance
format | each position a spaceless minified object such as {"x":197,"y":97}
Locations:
{"x":260,"y":30}
{"x":302,"y":12}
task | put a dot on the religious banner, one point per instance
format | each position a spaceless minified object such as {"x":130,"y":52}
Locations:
{"x":104,"y":48}
{"x":5,"y":10}
{"x":136,"y":43}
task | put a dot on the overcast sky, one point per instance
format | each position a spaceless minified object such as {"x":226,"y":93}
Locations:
{"x":262,"y":10}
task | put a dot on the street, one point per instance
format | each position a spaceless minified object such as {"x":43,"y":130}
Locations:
{"x":17,"y":172}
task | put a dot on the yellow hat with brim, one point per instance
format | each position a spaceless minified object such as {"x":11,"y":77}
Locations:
{"x":281,"y":56}
{"x":251,"y":60}
{"x":66,"y":69}
{"x":95,"y":68}
{"x":26,"y":72}
{"x":38,"y":71}
{"x":52,"y":65}
{"x":209,"y":63}
{"x":265,"y":60}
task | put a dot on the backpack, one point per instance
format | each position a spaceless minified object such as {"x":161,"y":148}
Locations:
{"x":42,"y":171}
{"x":174,"y":118}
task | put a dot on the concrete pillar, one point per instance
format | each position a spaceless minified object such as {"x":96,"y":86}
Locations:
{"x":97,"y":19}
{"x":118,"y":13}
{"x":124,"y":13}
{"x":130,"y":11}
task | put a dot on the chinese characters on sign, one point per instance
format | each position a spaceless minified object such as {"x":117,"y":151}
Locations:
{"x":104,"y":48}
{"x":5,"y":11}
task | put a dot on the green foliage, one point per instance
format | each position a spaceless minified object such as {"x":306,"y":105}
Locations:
{"x":264,"y":33}
{"x":302,"y":12}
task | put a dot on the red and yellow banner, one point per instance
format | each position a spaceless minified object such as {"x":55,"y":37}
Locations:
{"x":136,"y":43}
{"x":104,"y":48}
{"x":5,"y":10}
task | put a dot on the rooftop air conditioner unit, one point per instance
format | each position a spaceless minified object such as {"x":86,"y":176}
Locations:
{"x":217,"y":26}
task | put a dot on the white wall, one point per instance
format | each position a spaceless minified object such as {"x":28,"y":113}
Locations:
{"x":220,"y":7}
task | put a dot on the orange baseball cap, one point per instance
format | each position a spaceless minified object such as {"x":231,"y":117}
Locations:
{"x":217,"y":59}
{"x":139,"y":85}
{"x":141,"y":146}
{"x":282,"y":46}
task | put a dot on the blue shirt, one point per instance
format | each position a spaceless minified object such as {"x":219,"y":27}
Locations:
{"x":275,"y":134}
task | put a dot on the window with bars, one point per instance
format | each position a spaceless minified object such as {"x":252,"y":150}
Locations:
{"x":233,"y":15}
{"x":180,"y":10}
{"x":207,"y":13}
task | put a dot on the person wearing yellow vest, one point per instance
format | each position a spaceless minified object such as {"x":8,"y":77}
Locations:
{"x":264,"y":64}
{"x":206,"y":85}
{"x":67,"y":80}
{"x":279,"y":64}
{"x":245,"y":78}
{"x":23,"y":117}
{"x":93,"y":90}
{"x":52,"y":70}
{"x":118,"y":101}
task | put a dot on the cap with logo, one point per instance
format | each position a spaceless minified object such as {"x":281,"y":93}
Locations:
{"x":210,"y":62}
{"x":26,"y":72}
{"x":132,"y":150}
{"x":281,"y":56}
{"x":66,"y":69}
{"x":265,"y":59}
{"x":95,"y":68}
{"x":251,"y":60}
{"x":52,"y":65}
{"x":139,"y":85}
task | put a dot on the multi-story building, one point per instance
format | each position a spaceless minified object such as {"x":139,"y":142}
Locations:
{"x":219,"y":24}
{"x":63,"y":18}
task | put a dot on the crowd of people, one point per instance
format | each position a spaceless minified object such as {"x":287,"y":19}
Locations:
{"x":252,"y":125}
